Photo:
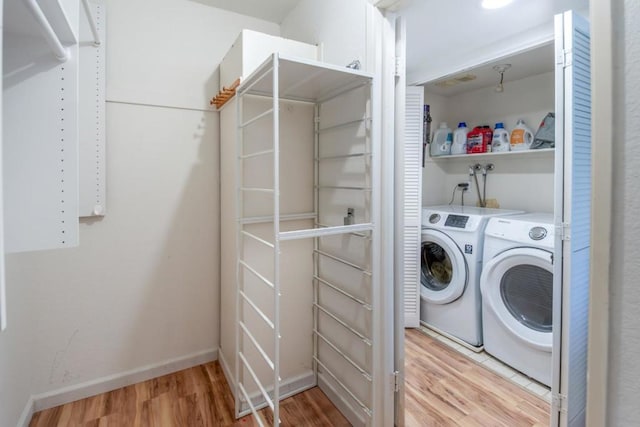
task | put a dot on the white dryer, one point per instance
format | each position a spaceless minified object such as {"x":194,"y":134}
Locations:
{"x":451,"y":261}
{"x":517,"y":292}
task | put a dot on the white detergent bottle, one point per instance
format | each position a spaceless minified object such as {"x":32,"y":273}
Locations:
{"x":500,"y":141}
{"x":521,"y":137}
{"x":459,"y":145}
{"x":442,"y":139}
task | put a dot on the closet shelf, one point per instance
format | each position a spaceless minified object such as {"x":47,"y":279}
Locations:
{"x":41,"y":19}
{"x":543,"y":152}
{"x":303,"y":79}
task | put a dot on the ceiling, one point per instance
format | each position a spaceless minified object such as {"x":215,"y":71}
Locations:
{"x":434,"y":26}
{"x":528,"y":63}
{"x":269,"y":10}
{"x":444,"y":36}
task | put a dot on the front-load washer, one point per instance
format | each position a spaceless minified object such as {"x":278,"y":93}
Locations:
{"x":451,"y":261}
{"x":517,"y":292}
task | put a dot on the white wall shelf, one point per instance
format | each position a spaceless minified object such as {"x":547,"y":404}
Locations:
{"x":41,"y":19}
{"x":542,"y":152}
{"x":304,"y":80}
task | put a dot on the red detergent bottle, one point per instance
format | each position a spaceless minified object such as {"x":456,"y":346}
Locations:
{"x":479,"y":139}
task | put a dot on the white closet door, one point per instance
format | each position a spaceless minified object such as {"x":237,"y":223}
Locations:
{"x":412,"y":191}
{"x":573,"y":219}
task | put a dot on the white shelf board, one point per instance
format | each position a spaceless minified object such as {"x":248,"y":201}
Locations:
{"x":302,"y":79}
{"x":18,"y":20}
{"x":543,"y":152}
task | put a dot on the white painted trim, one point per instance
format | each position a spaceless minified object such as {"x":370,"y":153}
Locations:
{"x":123,"y":379}
{"x":27,"y":413}
{"x":601,"y":181}
{"x":355,"y":418}
{"x":227,"y":373}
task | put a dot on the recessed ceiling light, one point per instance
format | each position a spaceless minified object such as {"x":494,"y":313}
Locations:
{"x":495,"y":4}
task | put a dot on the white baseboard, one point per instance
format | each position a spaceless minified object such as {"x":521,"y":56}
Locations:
{"x":27,"y":414}
{"x":354,"y":416}
{"x":112,"y":382}
{"x":227,"y":372}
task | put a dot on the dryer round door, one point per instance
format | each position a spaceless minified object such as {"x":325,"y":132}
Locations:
{"x":517,"y":286}
{"x":443,"y":269}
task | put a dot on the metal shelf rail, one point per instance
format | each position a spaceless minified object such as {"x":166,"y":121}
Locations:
{"x":281,"y":78}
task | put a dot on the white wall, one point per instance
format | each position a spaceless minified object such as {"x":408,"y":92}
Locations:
{"x":510,"y":183}
{"x":340,"y":26}
{"x":446,"y":37}
{"x":624,"y":337}
{"x":142,"y":288}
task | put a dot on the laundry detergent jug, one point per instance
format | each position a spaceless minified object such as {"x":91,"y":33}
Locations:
{"x":459,"y":145}
{"x":500,"y":141}
{"x":442,"y":139}
{"x":479,"y":139}
{"x":521,"y":137}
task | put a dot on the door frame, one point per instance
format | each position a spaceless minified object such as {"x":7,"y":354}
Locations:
{"x":601,"y":19}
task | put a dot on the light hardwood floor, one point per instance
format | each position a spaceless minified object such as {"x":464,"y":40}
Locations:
{"x":442,"y":388}
{"x":445,"y":388}
{"x":194,"y":397}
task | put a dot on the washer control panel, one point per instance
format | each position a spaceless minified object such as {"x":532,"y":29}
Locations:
{"x":457,"y":221}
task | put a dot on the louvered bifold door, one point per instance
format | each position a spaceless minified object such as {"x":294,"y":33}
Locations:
{"x":412,"y":196}
{"x":573,"y":219}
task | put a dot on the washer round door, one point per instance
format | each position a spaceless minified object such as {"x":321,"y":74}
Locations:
{"x":517,"y":286}
{"x":443,"y":269}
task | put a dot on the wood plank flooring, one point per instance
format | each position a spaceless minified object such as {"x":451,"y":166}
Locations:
{"x":194,"y":397}
{"x":442,"y":388}
{"x":445,"y":388}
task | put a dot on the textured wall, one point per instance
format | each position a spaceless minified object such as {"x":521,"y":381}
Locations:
{"x":624,"y":371}
{"x":142,"y":288}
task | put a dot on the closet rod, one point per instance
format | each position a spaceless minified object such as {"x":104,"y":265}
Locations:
{"x":326,"y":370}
{"x":253,"y":408}
{"x":258,"y":347}
{"x":256,"y":380}
{"x":61,"y":53}
{"x":343,"y":292}
{"x":257,"y":309}
{"x":362,"y":235}
{"x":92,"y":23}
{"x":341,"y":322}
{"x":345,"y":262}
{"x":320,"y":232}
{"x":335,"y":348}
